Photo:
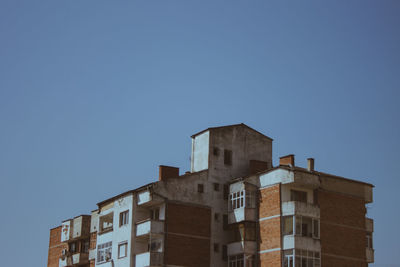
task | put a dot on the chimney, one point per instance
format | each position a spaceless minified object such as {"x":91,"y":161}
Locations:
{"x":310,"y":164}
{"x":166,"y":172}
{"x":287,"y":160}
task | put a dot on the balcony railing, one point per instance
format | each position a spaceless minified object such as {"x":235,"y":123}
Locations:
{"x":301,"y":242}
{"x":74,"y":259}
{"x":146,"y":198}
{"x":370,"y":255}
{"x":145,"y":228}
{"x":242,"y":247}
{"x":300,"y":208}
{"x":148,"y":259}
{"x":242,"y":214}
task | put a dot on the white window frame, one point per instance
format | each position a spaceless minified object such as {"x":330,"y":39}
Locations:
{"x":123,"y":218}
{"x":124,"y":246}
{"x":103,"y":250}
{"x":314,"y":221}
{"x":236,"y":260}
{"x":290,"y":258}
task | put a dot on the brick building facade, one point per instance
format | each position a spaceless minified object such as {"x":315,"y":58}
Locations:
{"x":233,"y":208}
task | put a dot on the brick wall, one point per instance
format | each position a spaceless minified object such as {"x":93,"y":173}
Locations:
{"x":55,"y":247}
{"x":188,"y":230}
{"x":342,"y":229}
{"x":270,"y":229}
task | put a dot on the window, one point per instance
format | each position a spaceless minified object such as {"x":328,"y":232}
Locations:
{"x":216,"y":151}
{"x":216,"y":247}
{"x":227,"y":157}
{"x":243,"y":232}
{"x":225,"y":222}
{"x":224,"y":253}
{"x":104,"y":252}
{"x":155,"y":246}
{"x":236,"y":200}
{"x":236,"y":261}
{"x":106,"y":222}
{"x":301,"y":226}
{"x":85,"y":246}
{"x":301,"y":257}
{"x":155,"y":214}
{"x":296,"y":195}
{"x":200,"y":188}
{"x":216,"y":186}
{"x":122,"y":249}
{"x":216,"y":217}
{"x":123,"y":218}
{"x":73,"y":247}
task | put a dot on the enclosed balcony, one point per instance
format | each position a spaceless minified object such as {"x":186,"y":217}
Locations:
{"x":301,"y":242}
{"x":300,"y":208}
{"x":242,"y":206}
{"x":145,"y":228}
{"x":242,"y":247}
{"x":76,"y":228}
{"x":149,"y":259}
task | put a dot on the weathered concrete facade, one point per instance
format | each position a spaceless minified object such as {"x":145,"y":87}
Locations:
{"x":232,"y":209}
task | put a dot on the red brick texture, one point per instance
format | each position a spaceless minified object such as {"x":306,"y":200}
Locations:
{"x":271,"y":259}
{"x":342,"y":230}
{"x":188,"y":230}
{"x":55,"y":247}
{"x":270,"y":229}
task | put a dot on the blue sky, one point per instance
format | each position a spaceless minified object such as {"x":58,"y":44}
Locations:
{"x":94,"y":95}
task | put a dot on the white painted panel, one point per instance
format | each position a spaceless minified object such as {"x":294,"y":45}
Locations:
{"x":301,"y":242}
{"x":143,"y":197}
{"x":300,"y":208}
{"x":143,"y":260}
{"x":77,"y":228}
{"x":143,"y":228}
{"x":200,"y":152}
{"x":236,"y":187}
{"x":276,"y":176}
{"x":65,"y":231}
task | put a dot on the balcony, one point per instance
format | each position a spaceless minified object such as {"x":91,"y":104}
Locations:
{"x":76,"y":228}
{"x":369,"y":225}
{"x":300,"y":208}
{"x":301,"y":242}
{"x":370,"y":255}
{"x":74,"y":259}
{"x":145,"y":228}
{"x":146,"y":199}
{"x":242,"y":247}
{"x":148,"y":259}
{"x":242,"y":214}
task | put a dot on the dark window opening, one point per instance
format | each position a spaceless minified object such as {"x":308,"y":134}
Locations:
{"x":200,"y":188}
{"x":227,"y":157}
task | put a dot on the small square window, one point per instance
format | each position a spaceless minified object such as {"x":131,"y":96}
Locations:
{"x":216,"y":247}
{"x":200,"y":188}
{"x":216,"y":186}
{"x":216,"y":151}
{"x":122,"y":249}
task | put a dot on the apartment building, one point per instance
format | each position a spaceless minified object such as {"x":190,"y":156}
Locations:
{"x":233,"y":208}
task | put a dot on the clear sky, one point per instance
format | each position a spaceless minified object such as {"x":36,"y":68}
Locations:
{"x":94,"y":95}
